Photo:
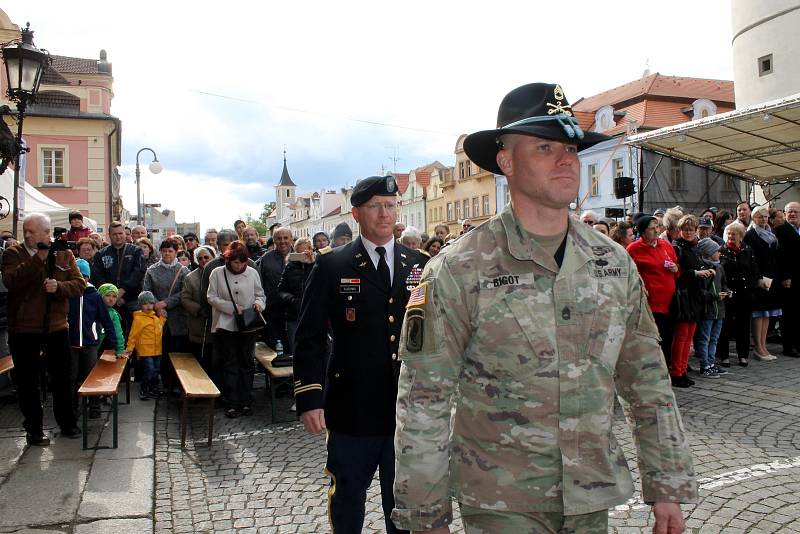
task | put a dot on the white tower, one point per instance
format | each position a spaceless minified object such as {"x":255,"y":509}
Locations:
{"x":766,"y":45}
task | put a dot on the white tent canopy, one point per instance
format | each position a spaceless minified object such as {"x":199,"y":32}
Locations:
{"x":35,"y":201}
{"x":759,"y":144}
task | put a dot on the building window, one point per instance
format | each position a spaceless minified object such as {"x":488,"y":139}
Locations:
{"x":619,"y":168}
{"x":461,"y":169}
{"x":466,"y":208}
{"x":765,"y":65}
{"x":594,"y":186}
{"x":469,"y":168}
{"x":449,"y":211}
{"x":676,"y":175}
{"x":52,"y":166}
{"x":458,"y":210}
{"x":476,"y":207}
{"x":729,"y":183}
{"x":486,"y":204}
{"x":430,"y":214}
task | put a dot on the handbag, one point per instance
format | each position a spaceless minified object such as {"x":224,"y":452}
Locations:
{"x":249,"y":320}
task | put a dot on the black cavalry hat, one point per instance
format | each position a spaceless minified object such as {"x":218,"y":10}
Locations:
{"x":537,"y":109}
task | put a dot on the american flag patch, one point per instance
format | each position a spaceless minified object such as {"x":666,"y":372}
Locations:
{"x":417,"y":297}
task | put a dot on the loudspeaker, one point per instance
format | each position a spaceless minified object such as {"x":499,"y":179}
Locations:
{"x":623,"y":187}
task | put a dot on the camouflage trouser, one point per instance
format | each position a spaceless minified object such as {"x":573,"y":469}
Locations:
{"x":480,"y":521}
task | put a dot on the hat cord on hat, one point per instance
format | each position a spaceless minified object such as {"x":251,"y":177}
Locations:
{"x":568,"y":123}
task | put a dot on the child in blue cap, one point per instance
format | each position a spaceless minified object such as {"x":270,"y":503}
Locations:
{"x":84,"y":314}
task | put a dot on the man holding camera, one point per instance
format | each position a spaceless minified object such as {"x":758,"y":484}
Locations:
{"x":40,"y":281}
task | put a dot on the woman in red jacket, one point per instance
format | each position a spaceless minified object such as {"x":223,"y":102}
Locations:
{"x":658,"y":267}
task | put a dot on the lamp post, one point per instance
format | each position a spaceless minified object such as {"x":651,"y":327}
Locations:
{"x":25,"y":65}
{"x":155,"y":168}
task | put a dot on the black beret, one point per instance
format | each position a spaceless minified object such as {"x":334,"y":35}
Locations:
{"x":643,"y":222}
{"x":384,"y":186}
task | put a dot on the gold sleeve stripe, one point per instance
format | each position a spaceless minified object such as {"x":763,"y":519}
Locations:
{"x":309,"y":387}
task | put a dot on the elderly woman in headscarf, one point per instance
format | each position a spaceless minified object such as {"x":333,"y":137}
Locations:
{"x":766,"y":299}
{"x":192,"y":302}
{"x":232,"y":288}
{"x":320,"y":240}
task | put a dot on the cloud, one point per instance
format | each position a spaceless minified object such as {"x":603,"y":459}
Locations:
{"x":211,"y":200}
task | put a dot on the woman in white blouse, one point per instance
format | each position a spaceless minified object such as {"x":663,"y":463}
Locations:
{"x":233,"y":288}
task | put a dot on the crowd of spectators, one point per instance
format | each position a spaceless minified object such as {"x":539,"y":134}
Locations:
{"x":715,"y":278}
{"x":710,"y":280}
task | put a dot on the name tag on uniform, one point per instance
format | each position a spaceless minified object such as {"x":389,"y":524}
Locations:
{"x":507,"y":280}
{"x":350,"y":285}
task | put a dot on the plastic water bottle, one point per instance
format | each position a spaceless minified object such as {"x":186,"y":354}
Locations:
{"x":278,"y":349}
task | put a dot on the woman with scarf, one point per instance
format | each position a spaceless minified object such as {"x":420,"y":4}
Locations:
{"x":165,"y":280}
{"x":741,"y":271}
{"x":688,"y":301}
{"x":766,"y":301}
{"x":232,"y":288}
{"x":199,"y":322}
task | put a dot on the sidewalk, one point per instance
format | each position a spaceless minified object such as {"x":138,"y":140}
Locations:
{"x":62,"y":488}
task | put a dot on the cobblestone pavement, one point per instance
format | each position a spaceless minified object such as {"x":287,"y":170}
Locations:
{"x":744,"y":430}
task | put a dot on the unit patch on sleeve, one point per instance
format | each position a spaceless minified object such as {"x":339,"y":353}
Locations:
{"x":415,"y":328}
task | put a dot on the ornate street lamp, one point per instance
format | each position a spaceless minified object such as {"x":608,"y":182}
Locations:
{"x":25,"y":65}
{"x":155,"y":168}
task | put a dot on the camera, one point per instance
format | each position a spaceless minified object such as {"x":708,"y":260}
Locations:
{"x":60,"y":241}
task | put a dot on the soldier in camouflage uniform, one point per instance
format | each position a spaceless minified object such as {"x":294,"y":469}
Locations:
{"x":514,"y":346}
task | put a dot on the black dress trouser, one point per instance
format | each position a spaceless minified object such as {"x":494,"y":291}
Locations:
{"x":352,"y":462}
{"x":735,"y":326}
{"x":25,"y":354}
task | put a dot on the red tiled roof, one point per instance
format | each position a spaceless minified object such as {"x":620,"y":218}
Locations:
{"x":402,"y":182}
{"x":335,"y":211}
{"x":718,"y":91}
{"x":423,"y":178}
{"x":52,"y":77}
{"x":74,"y":65}
{"x":585,"y":119}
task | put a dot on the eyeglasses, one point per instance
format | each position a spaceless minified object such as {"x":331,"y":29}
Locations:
{"x":590,"y":222}
{"x":190,"y":239}
{"x":375,"y":206}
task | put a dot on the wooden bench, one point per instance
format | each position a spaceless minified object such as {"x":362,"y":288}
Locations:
{"x":6,"y":365}
{"x":103,"y":380}
{"x":275,"y":376}
{"x":196,"y":385}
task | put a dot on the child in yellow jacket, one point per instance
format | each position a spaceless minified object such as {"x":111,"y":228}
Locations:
{"x":145,"y":337}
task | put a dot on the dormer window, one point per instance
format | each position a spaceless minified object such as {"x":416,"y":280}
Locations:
{"x":604,"y":119}
{"x":702,"y":108}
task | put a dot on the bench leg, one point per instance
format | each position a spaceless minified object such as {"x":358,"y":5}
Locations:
{"x":184,"y":410}
{"x":84,"y":425}
{"x":127,"y":376}
{"x":114,"y":410}
{"x":210,"y":421}
{"x":272,"y":398}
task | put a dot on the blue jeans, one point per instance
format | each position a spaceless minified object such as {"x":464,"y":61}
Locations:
{"x":150,"y":367}
{"x":706,"y":341}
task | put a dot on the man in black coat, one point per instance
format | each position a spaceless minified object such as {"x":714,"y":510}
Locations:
{"x":788,"y":235}
{"x":270,"y":267}
{"x":361,"y":290}
{"x":121,"y":264}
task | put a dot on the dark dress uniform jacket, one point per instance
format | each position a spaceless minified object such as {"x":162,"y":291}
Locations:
{"x":344,"y":290}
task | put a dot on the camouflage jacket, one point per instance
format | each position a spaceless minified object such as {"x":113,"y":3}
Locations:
{"x":529,"y":357}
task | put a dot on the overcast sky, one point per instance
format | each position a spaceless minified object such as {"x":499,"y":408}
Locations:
{"x":219,"y":92}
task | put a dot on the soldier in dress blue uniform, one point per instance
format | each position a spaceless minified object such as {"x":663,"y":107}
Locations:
{"x":361,"y":290}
